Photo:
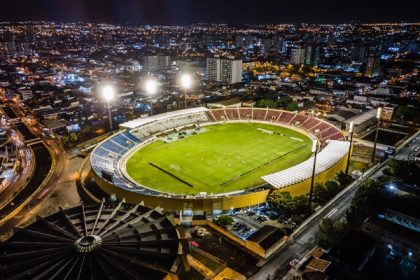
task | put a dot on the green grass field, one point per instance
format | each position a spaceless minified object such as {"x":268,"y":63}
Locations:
{"x":225,"y":158}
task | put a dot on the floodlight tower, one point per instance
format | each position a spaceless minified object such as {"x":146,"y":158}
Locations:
{"x":186,"y":82}
{"x":151,"y":87}
{"x":315,"y":152}
{"x":108,"y":93}
{"x":351,"y":142}
{"x":378,"y":117}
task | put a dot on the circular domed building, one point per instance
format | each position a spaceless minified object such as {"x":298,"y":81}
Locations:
{"x":104,"y":241}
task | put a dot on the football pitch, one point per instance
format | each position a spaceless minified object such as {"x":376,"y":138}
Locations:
{"x":223,"y":158}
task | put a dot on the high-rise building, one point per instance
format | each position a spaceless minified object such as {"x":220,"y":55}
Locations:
{"x":244,"y":41}
{"x":162,"y":40}
{"x":358,"y":53}
{"x":12,"y":47}
{"x":213,"y":69}
{"x":272,"y":44}
{"x":373,"y":66}
{"x":297,"y":56}
{"x":312,"y":55}
{"x":308,"y":55}
{"x":224,"y":70}
{"x":153,"y":63}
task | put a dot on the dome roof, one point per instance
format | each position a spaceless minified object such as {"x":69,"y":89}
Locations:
{"x":104,"y":241}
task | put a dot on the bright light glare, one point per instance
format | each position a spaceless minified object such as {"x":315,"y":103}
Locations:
{"x":151,"y":86}
{"x":391,"y":187}
{"x":314,"y":146}
{"x":186,"y":81}
{"x":351,"y":127}
{"x":378,"y":114}
{"x":108,"y":92}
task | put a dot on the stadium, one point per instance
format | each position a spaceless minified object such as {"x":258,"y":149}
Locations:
{"x":210,"y":160}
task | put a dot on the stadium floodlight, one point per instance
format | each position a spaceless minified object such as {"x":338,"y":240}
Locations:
{"x":151,"y":88}
{"x":109,"y":93}
{"x":378,"y":117}
{"x":311,"y":191}
{"x":351,"y":128}
{"x":186,"y":83}
{"x":314,"y":145}
{"x":378,"y":113}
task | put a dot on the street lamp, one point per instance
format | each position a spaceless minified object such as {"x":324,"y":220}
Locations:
{"x":108,"y":93}
{"x":311,"y":191}
{"x":151,"y":87}
{"x":378,"y":117}
{"x":351,"y":142}
{"x":186,"y":82}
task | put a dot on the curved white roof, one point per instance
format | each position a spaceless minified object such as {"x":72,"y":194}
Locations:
{"x":327,"y":158}
{"x":142,"y":121}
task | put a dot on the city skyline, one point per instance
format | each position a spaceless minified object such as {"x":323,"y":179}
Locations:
{"x":196,"y":139}
{"x":179,"y":12}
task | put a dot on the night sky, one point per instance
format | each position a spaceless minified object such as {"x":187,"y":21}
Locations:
{"x":226,"y":11}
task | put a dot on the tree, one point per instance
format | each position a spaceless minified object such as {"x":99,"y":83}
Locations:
{"x":344,"y":179}
{"x":65,"y":139}
{"x":284,"y":100}
{"x":408,"y":113}
{"x":405,"y":171}
{"x":332,"y":188}
{"x":365,"y":203}
{"x":224,"y":220}
{"x":264,"y":103}
{"x":320,"y":193}
{"x":309,"y":105}
{"x":301,"y":205}
{"x":292,"y":106}
{"x":281,"y":201}
{"x":330,"y":233}
{"x":73,"y":137}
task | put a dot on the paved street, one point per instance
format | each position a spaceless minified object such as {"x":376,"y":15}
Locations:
{"x":305,"y":240}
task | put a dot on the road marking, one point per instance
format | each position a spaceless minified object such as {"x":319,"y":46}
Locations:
{"x":330,"y":213}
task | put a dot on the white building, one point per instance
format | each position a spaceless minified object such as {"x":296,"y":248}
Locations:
{"x":297,"y":56}
{"x":153,"y":63}
{"x":224,"y":70}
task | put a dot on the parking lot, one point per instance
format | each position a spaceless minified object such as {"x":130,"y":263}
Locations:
{"x":247,"y":221}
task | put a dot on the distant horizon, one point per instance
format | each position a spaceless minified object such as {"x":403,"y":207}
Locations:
{"x":181,"y":12}
{"x":216,"y":23}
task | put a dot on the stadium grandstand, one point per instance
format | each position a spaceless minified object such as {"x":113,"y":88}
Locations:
{"x":109,"y":157}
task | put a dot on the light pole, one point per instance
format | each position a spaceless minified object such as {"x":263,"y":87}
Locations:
{"x":311,"y":191}
{"x":186,"y":82}
{"x":108,"y":93}
{"x":151,"y":87}
{"x":378,"y":117}
{"x":351,"y":141}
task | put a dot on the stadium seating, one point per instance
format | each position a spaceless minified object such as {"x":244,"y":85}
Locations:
{"x":107,"y":156}
{"x":245,"y":113}
{"x":232,"y":114}
{"x":327,"y":158}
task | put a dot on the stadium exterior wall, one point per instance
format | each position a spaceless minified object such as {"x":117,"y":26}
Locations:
{"x":217,"y":203}
{"x":176,"y":204}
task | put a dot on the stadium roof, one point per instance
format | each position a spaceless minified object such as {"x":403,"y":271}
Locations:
{"x":104,"y":241}
{"x":359,"y":119}
{"x":142,"y":121}
{"x":327,"y":158}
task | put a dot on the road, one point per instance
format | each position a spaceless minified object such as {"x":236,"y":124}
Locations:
{"x":303,"y":241}
{"x":48,"y":183}
{"x":16,"y":181}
